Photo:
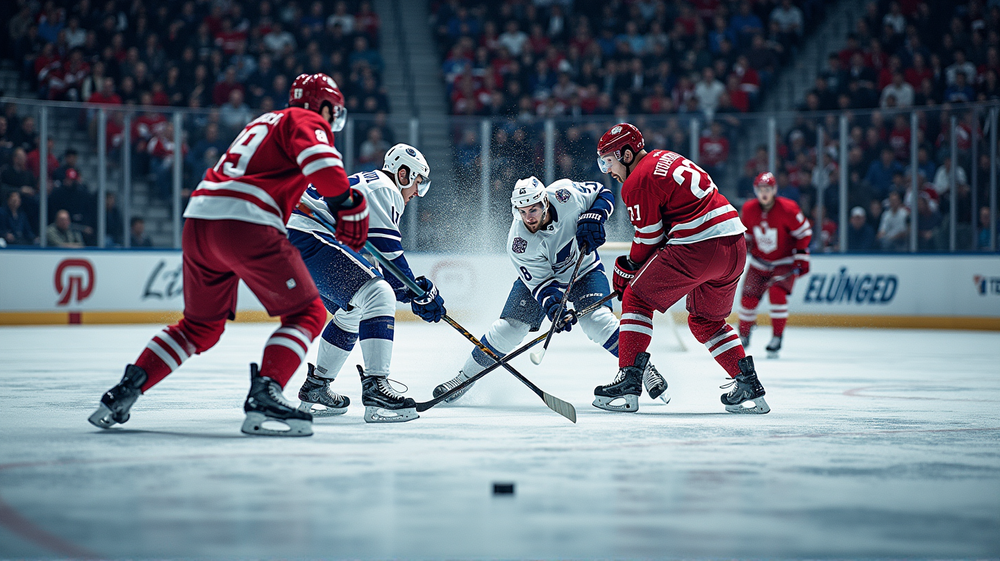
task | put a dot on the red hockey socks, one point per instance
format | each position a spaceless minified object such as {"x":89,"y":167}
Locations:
{"x":164,"y":353}
{"x":721,"y":340}
{"x":636,"y":329}
{"x":286,"y":349}
{"x":779,"y":309}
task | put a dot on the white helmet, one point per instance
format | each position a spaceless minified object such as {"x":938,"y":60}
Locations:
{"x":527,"y":192}
{"x":405,"y":155}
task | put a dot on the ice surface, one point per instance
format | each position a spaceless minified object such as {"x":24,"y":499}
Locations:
{"x":880,"y":443}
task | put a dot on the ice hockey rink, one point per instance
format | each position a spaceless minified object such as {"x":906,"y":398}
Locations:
{"x":880,"y":443}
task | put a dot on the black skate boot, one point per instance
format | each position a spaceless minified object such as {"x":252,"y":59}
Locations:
{"x":627,"y":387}
{"x":773,"y":347}
{"x":454,"y":382}
{"x":266,"y":405}
{"x":382,"y":403}
{"x":116,"y":402}
{"x":316,"y":391}
{"x":745,"y":340}
{"x":746,"y":395}
{"x":656,"y":386}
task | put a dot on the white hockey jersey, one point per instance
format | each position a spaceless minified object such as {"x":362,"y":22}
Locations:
{"x":385,"y":207}
{"x":549,"y":255}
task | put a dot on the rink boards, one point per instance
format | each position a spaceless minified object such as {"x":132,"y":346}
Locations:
{"x":109,"y":286}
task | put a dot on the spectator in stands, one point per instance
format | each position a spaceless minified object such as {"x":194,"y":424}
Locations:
{"x":899,"y":91}
{"x":14,"y":226}
{"x":73,"y":196}
{"x":960,"y":91}
{"x":893,"y":231}
{"x":928,"y":224}
{"x":960,"y":66}
{"x":372,"y":151}
{"x":860,"y":235}
{"x":61,"y":234}
{"x":222,"y":89}
{"x":137,"y":233}
{"x":874,"y":215}
{"x":161,"y":150}
{"x":942,"y":178}
{"x":16,"y":177}
{"x":983,"y":240}
{"x":707,"y":91}
{"x":789,"y":20}
{"x":34,"y":157}
{"x":513,"y":39}
{"x":880,"y":173}
{"x":114,"y":226}
{"x":235,"y":114}
{"x":713,"y":150}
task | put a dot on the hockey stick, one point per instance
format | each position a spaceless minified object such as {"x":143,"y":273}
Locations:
{"x":564,"y":408}
{"x":537,"y":357}
{"x":425,"y":405}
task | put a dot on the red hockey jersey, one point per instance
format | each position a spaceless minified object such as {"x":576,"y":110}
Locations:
{"x":264,"y":172}
{"x":773,"y":235}
{"x":670,"y":200}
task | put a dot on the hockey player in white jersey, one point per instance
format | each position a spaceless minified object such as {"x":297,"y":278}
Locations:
{"x":361,"y":299}
{"x":551,"y":226}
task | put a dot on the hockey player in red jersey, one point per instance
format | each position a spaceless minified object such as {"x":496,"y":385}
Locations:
{"x":778,"y":238}
{"x":688,"y":241}
{"x":235,"y":230}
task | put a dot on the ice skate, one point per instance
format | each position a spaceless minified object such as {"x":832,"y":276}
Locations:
{"x":773,"y":347}
{"x":266,"y":407}
{"x":747,"y":394}
{"x":623,"y":394}
{"x":655,"y":385}
{"x":453,"y":383}
{"x":317,"y":397}
{"x":382,"y":403}
{"x":116,"y":402}
{"x":745,"y":341}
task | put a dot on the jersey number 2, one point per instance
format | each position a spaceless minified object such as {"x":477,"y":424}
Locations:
{"x":689,"y":175}
{"x":244,"y":146}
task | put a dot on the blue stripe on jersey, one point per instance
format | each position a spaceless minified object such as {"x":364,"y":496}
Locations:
{"x":338,"y":337}
{"x":380,"y":327}
{"x":388,"y":233}
{"x":612,"y":344}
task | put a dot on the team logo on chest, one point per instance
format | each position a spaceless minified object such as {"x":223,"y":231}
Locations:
{"x":766,"y":237}
{"x":562,"y":195}
{"x":520,"y":244}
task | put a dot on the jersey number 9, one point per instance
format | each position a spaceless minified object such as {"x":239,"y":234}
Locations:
{"x":244,"y":146}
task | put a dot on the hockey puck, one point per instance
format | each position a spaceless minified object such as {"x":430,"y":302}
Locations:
{"x":503,"y":488}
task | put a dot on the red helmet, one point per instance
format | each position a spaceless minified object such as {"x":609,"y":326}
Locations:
{"x":311,"y":91}
{"x":617,"y":139}
{"x":765,"y":179}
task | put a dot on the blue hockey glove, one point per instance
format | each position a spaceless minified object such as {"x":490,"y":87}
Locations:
{"x":430,"y":306}
{"x":550,"y":303}
{"x":590,"y":231}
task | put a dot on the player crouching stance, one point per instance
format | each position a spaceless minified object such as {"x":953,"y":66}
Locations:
{"x":551,"y":226}
{"x":778,"y":235}
{"x":362,"y":301}
{"x":701,"y":255}
{"x":235,"y":230}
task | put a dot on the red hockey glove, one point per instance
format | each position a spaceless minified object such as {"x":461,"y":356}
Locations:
{"x":801,"y":262}
{"x":625,"y":270}
{"x":352,"y":221}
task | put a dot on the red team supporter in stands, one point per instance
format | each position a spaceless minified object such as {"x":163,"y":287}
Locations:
{"x":778,"y":235}
{"x":235,"y":230}
{"x":688,"y":241}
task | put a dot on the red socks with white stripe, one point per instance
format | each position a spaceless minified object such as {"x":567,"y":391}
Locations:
{"x":721,"y":340}
{"x":779,"y":309}
{"x":636,"y":329}
{"x":164,"y":353}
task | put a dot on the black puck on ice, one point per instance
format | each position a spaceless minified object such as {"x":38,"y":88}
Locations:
{"x":503,"y":488}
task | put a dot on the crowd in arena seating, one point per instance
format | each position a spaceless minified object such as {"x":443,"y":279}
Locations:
{"x":902,"y":56}
{"x":593,"y":58}
{"x":235,"y":59}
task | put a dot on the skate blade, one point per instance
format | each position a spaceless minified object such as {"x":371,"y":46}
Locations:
{"x":321,"y":410}
{"x":754,"y":406}
{"x":664,"y":397}
{"x":374,"y":414}
{"x":626,"y":403}
{"x":258,"y":424}
{"x":772,"y":354}
{"x":102,"y":418}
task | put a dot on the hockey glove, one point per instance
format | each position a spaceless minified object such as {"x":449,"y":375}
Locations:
{"x":590,"y":231}
{"x":801,"y":262}
{"x":625,"y":270}
{"x":430,"y":306}
{"x":352,"y":221}
{"x":551,"y":298}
